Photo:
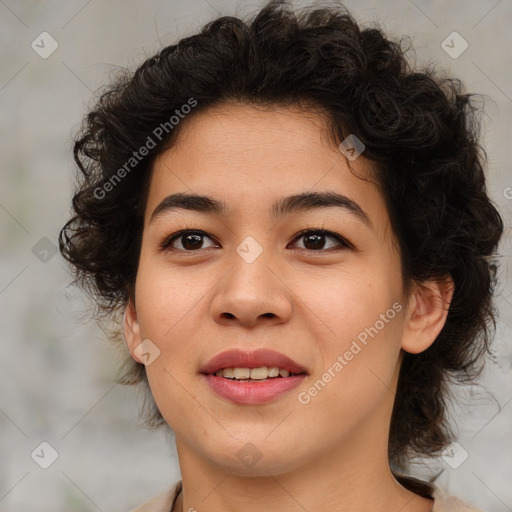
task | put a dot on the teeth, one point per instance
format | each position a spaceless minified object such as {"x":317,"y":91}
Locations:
{"x":242,"y":373}
{"x":273,"y":371}
{"x":261,"y":373}
{"x":228,"y":372}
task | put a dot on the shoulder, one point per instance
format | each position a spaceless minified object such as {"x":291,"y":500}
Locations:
{"x":161,"y":503}
{"x":442,"y":501}
{"x":445,"y":503}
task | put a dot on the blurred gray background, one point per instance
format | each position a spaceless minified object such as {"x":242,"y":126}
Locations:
{"x":56,"y":370}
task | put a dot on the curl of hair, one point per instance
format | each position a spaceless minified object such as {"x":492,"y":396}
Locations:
{"x":420,"y":130}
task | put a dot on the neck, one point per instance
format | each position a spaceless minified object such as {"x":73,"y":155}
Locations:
{"x":355,"y":477}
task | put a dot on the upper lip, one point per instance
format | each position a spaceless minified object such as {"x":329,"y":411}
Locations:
{"x":238,"y":358}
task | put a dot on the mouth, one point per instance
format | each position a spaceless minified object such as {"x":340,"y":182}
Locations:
{"x":257,"y":364}
{"x":252,"y":377}
{"x":260,"y":374}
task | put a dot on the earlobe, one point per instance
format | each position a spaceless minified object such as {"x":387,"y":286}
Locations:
{"x":131,"y":330}
{"x":426,"y":314}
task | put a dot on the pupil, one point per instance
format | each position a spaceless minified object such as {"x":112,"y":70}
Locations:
{"x":318,"y":241}
{"x":194,"y":240}
{"x":194,"y":245}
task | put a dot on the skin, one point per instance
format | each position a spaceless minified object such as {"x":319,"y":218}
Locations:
{"x":310,"y":304}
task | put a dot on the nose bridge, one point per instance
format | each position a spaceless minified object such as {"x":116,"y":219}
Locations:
{"x":251,"y":266}
{"x":252,"y":287}
{"x":251,"y":277}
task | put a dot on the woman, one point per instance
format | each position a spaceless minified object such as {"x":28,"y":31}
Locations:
{"x":295,"y":228}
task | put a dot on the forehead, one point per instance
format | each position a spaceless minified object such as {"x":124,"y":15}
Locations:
{"x":250,"y":156}
{"x":240,"y":131}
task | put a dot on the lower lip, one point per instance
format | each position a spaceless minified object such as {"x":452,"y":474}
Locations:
{"x":253,"y":392}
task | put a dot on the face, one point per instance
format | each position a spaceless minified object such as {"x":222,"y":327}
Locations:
{"x":256,"y":286}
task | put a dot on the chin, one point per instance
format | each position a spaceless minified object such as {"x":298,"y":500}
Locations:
{"x":246,"y":456}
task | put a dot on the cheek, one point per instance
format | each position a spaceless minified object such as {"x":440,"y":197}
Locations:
{"x":359,"y":355}
{"x":165,"y":297}
{"x":347,"y":304}
{"x":360,"y":349}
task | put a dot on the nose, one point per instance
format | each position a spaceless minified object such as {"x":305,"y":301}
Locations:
{"x":251,"y":293}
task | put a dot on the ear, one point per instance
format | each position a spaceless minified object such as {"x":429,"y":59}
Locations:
{"x":426,"y":313}
{"x":131,"y":329}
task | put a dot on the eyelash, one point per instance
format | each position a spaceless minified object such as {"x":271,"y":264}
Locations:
{"x":165,"y":245}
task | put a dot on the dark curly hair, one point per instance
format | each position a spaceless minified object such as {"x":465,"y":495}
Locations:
{"x":419,"y":129}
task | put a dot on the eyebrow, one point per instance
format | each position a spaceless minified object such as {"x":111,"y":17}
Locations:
{"x":305,"y":201}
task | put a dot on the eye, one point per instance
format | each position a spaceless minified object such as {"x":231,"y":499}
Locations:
{"x":315,"y":240}
{"x":192,"y":239}
{"x":189,"y":240}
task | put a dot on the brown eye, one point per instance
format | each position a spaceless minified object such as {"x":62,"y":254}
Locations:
{"x":188,"y":239}
{"x":315,"y":240}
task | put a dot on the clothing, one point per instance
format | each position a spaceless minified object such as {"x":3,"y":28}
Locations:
{"x":442,"y":502}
